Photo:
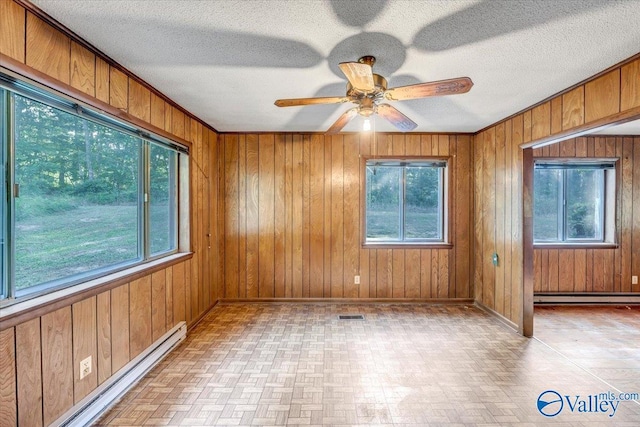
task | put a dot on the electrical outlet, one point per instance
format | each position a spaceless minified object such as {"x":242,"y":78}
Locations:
{"x":85,"y":367}
{"x":356,"y":280}
{"x":634,"y":280}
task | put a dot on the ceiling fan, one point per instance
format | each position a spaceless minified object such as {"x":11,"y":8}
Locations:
{"x":369,"y":91}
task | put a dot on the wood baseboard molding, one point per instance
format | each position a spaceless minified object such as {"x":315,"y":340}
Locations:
{"x":198,"y":319}
{"x":497,"y":315}
{"x":460,"y":301}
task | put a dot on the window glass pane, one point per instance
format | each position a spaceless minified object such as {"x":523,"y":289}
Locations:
{"x":78,"y":204}
{"x":423,"y":210}
{"x":584,"y":203}
{"x":546,"y":204}
{"x":162,"y":206}
{"x":383,"y":202}
{"x":3,"y":193}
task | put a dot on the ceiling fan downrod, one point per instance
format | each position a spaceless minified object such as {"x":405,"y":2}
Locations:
{"x":368,"y":59}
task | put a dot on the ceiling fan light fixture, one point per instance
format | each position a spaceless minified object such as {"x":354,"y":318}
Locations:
{"x":368,"y":90}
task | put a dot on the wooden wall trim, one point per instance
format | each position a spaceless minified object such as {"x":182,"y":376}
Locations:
{"x":587,"y":128}
{"x":10,"y":65}
{"x":497,"y":315}
{"x":526,"y":321}
{"x":357,"y":301}
{"x":344,"y":133}
{"x":36,"y":11}
{"x":197,"y":320}
{"x":23,"y":311}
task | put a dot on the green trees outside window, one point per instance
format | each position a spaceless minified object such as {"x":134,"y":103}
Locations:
{"x":163,"y":200}
{"x":568,"y":202}
{"x":77,"y":208}
{"x":86,"y":197}
{"x":405,"y":201}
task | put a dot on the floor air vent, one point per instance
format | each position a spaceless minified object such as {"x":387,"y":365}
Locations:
{"x":351,"y":317}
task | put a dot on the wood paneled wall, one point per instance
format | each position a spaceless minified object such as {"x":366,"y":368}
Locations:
{"x":39,"y":373}
{"x":498,"y":213}
{"x":498,"y":179}
{"x":598,"y":270}
{"x":292,"y":219}
{"x":41,"y":357}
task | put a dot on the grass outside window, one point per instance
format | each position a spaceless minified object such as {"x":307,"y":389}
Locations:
{"x":82,"y":197}
{"x":405,"y":201}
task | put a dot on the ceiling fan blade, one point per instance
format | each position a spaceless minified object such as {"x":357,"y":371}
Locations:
{"x":423,"y":90}
{"x":297,"y":102}
{"x":359,"y":75}
{"x":396,"y":118}
{"x":342,"y":121}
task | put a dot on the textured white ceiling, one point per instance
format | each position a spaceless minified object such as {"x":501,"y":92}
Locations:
{"x":629,"y":128}
{"x":227,"y":61}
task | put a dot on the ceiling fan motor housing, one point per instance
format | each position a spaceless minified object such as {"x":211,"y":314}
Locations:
{"x":368,"y":100}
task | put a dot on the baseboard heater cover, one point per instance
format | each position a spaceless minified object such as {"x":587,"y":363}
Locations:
{"x":98,"y":401}
{"x":584,"y":299}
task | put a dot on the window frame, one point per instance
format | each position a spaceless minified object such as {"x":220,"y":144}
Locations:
{"x":9,"y":295}
{"x":444,"y":196}
{"x":608,"y":187}
{"x":174,"y":170}
{"x":4,"y":193}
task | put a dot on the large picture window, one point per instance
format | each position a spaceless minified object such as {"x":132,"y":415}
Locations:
{"x":84,"y":196}
{"x":570,"y":201}
{"x":405,"y":201}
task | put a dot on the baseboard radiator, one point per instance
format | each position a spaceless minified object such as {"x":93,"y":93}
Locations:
{"x":586,"y":299}
{"x":98,"y":401}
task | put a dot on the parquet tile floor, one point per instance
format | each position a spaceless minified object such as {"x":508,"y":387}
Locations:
{"x":603,"y":340}
{"x":297,"y":364}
